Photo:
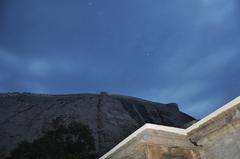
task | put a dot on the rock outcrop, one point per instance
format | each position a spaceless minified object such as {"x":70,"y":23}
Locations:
{"x":24,"y":116}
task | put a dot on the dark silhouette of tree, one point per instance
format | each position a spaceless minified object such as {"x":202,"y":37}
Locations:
{"x":63,"y":141}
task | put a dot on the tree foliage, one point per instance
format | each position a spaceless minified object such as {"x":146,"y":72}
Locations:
{"x":63,"y":141}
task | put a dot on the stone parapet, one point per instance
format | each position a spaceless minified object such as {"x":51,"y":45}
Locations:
{"x":214,"y":137}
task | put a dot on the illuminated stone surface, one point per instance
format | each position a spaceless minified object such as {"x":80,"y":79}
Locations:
{"x":214,"y":137}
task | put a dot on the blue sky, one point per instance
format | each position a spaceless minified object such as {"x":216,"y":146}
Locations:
{"x":166,"y":51}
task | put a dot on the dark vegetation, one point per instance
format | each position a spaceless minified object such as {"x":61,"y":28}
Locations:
{"x":63,"y":141}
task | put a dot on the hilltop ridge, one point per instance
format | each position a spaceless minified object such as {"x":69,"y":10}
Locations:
{"x":24,"y":116}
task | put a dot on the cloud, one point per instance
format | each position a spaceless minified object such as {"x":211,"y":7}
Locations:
{"x":203,"y":107}
{"x":180,"y":51}
{"x":212,"y":63}
{"x":39,"y":68}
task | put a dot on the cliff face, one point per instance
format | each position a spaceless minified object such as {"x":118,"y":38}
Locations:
{"x":110,"y":117}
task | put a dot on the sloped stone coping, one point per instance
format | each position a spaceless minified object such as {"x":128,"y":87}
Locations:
{"x":177,"y":131}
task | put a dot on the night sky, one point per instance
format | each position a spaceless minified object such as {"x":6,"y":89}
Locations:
{"x":183,"y":51}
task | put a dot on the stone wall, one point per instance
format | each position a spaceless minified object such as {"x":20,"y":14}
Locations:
{"x":217,"y":136}
{"x":156,"y":142}
{"x":220,"y":136}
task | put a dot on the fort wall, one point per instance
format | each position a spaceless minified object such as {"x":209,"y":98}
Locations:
{"x":214,"y":137}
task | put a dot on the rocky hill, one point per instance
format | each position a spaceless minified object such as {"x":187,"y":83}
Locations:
{"x":25,"y":116}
